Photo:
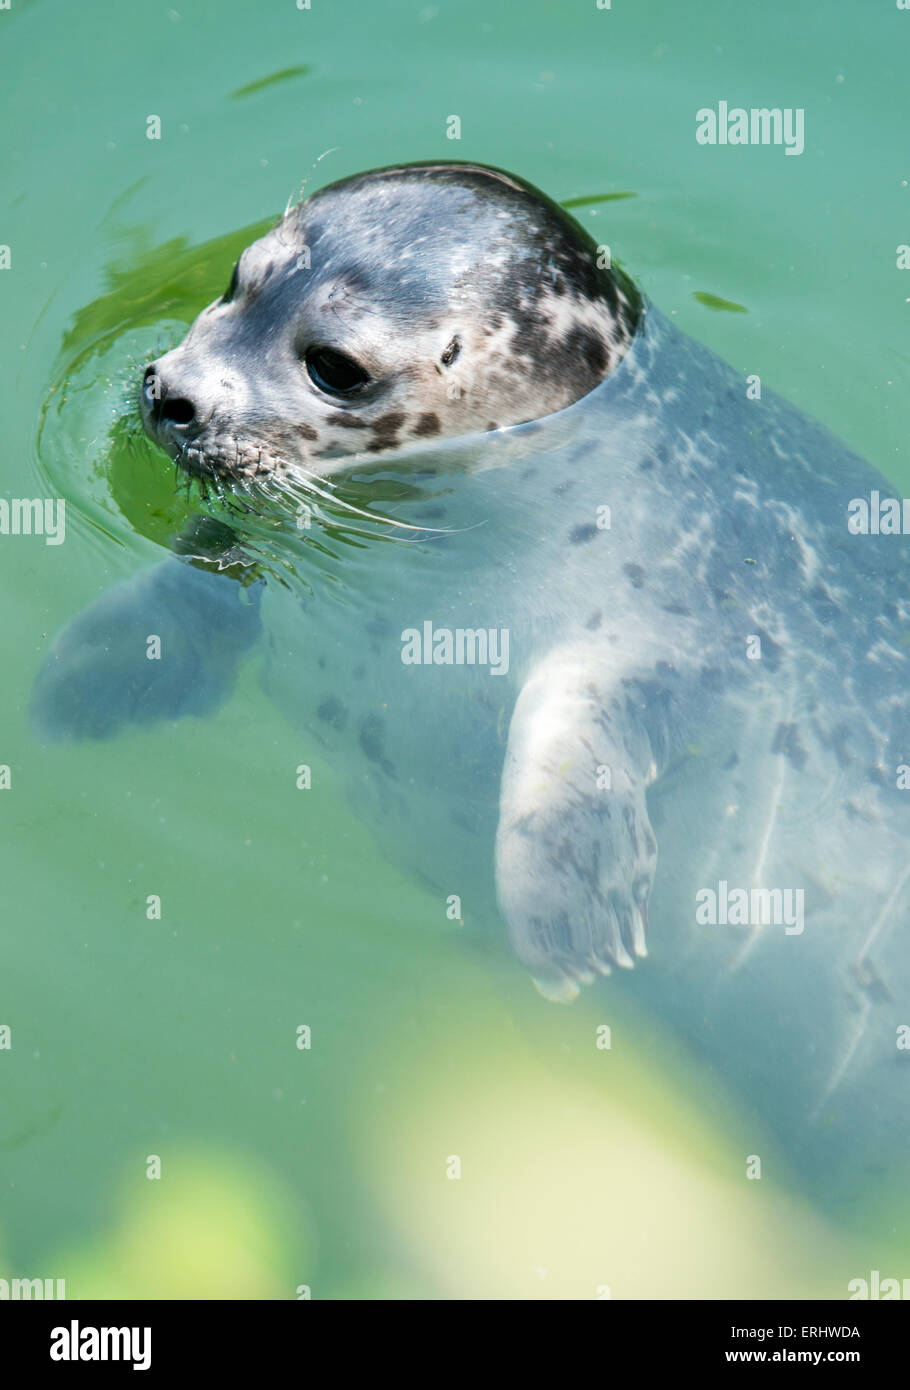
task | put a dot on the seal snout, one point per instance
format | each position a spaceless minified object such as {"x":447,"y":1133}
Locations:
{"x":166,"y":405}
{"x":182,"y":410}
{"x":191,"y":406}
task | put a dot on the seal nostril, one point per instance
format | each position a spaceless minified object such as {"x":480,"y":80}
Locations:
{"x":178,"y":410}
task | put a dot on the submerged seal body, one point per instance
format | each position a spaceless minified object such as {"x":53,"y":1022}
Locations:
{"x":627,"y":671}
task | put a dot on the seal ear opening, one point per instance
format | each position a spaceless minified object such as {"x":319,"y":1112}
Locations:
{"x":451,"y":351}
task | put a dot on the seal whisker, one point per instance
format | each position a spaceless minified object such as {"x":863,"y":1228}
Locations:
{"x":309,"y":480}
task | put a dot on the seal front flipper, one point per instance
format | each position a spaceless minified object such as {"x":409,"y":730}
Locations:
{"x":104,"y":670}
{"x":575,"y":853}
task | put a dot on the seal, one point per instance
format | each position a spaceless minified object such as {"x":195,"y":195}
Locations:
{"x":622,"y":669}
{"x":430,"y":299}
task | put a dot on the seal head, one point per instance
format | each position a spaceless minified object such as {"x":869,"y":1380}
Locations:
{"x":426,"y":300}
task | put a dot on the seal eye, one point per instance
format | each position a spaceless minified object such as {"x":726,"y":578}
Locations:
{"x":334,"y":372}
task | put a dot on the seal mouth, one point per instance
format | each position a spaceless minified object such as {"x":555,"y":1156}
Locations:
{"x":237,"y":463}
{"x":225,"y":461}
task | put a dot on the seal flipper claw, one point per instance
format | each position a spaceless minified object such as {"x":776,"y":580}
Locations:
{"x":622,"y":957}
{"x":602,"y":967}
{"x":639,"y":931}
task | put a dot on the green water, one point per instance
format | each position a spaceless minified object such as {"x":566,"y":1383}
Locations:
{"x":327,"y":1167}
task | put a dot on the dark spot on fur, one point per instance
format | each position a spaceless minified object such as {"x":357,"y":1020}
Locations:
{"x":678,"y":608}
{"x":333,"y":712}
{"x":385,"y":431}
{"x":389,"y":423}
{"x":492,"y":425}
{"x":877,"y":774}
{"x":451,"y":352}
{"x":731,"y":761}
{"x":786,"y":741}
{"x":371,"y":741}
{"x":594,"y":621}
{"x":712,"y":677}
{"x":823,"y":604}
{"x":561,"y":489}
{"x":307,"y":432}
{"x":867,"y":976}
{"x":428,"y":423}
{"x":837,"y":739}
{"x":579,"y":535}
{"x":348,"y":422}
{"x":590,"y":346}
{"x":635,"y":575}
